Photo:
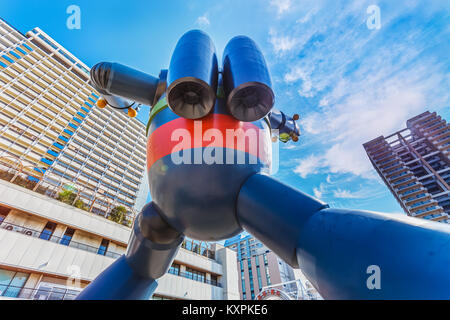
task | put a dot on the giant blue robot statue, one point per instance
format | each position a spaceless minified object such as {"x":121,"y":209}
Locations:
{"x":339,"y":251}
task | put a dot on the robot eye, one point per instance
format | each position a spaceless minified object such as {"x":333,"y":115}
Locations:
{"x":193,"y":75}
{"x":246,"y":80}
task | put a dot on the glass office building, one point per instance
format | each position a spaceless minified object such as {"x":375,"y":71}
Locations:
{"x":258,"y":267}
{"x":415,"y":165}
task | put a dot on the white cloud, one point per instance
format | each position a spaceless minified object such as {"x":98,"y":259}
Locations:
{"x":203,"y":21}
{"x":346,"y":194}
{"x":281,"y":44}
{"x":308,"y":165}
{"x":307,"y":17}
{"x":281,"y":5}
{"x":319,"y":192}
{"x":296,"y":74}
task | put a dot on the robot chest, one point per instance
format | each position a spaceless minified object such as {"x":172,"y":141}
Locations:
{"x":215,"y":139}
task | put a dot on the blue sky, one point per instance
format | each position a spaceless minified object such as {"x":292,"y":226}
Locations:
{"x":349,"y":83}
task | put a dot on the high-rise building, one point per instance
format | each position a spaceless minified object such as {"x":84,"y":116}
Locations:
{"x":258,"y":267}
{"x":53,"y":140}
{"x":415,"y":165}
{"x":50,"y":128}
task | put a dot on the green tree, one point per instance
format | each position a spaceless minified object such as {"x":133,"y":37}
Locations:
{"x":118,"y":214}
{"x":80,"y":204}
{"x":67,"y":196}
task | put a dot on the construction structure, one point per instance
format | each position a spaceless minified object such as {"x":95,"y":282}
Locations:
{"x":415,"y":165}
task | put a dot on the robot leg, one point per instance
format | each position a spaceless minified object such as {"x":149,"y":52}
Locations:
{"x":348,"y":254}
{"x":151,"y":250}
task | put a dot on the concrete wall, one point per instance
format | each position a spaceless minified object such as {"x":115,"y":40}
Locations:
{"x":25,"y":220}
{"x":34,"y":254}
{"x":189,"y":258}
{"x":230,"y":279}
{"x":182,"y":288}
{"x":14,"y":196}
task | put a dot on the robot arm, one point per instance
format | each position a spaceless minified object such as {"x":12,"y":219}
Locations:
{"x":348,"y":254}
{"x":122,"y":87}
{"x":287,"y":126}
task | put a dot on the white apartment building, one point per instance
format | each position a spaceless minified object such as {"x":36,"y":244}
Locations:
{"x":51,"y":250}
{"x":51,"y":130}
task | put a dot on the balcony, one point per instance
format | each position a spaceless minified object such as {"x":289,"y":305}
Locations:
{"x":411,"y":200}
{"x":43,"y":293}
{"x":194,"y":277}
{"x":426,"y":211}
{"x":386,"y":163}
{"x":386,"y":169}
{"x":403,"y":180}
{"x":41,"y":203}
{"x":62,"y":241}
{"x":421,"y":204}
{"x":383,"y":156}
{"x":391,"y":173}
{"x":412,"y":192}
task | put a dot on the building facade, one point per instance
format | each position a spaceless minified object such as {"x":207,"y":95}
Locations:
{"x":258,"y":267}
{"x":50,"y":129}
{"x":414,"y":163}
{"x":51,"y":250}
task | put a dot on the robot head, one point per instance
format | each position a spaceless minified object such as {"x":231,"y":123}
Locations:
{"x":193,"y":78}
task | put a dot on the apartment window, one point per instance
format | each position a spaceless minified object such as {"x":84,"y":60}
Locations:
{"x":214,"y":280}
{"x":48,"y":231}
{"x":3,"y":213}
{"x":195,"y":275}
{"x":258,"y":272}
{"x":175,"y":269}
{"x":103,"y":247}
{"x":11,"y":283}
{"x":67,"y":237}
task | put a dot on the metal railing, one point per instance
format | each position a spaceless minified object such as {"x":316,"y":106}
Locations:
{"x":32,"y":177}
{"x":42,"y":293}
{"x":199,"y":247}
{"x":194,"y":277}
{"x":62,"y":241}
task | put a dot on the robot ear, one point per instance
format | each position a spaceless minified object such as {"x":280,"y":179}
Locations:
{"x":246,"y":80}
{"x":193,"y":75}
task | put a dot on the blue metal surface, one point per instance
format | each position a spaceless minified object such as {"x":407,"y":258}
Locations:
{"x":114,"y":79}
{"x":284,"y":124}
{"x":275,"y":214}
{"x":151,"y":250}
{"x":153,"y":243}
{"x":337,"y":249}
{"x":199,"y":199}
{"x":246,"y":80}
{"x":119,"y":282}
{"x":193,"y":76}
